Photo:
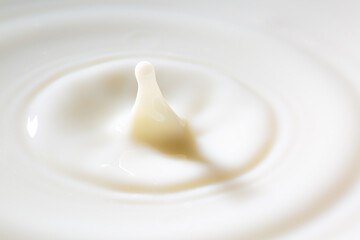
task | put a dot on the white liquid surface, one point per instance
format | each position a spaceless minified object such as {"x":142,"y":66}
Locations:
{"x":277,"y":127}
{"x":83,"y":119}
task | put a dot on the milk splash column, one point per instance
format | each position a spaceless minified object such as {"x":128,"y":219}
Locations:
{"x":154,"y":123}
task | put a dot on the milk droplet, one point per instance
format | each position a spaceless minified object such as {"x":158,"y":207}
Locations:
{"x":154,"y":123}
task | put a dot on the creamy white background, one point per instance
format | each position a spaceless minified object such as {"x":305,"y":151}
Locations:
{"x":329,"y":29}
